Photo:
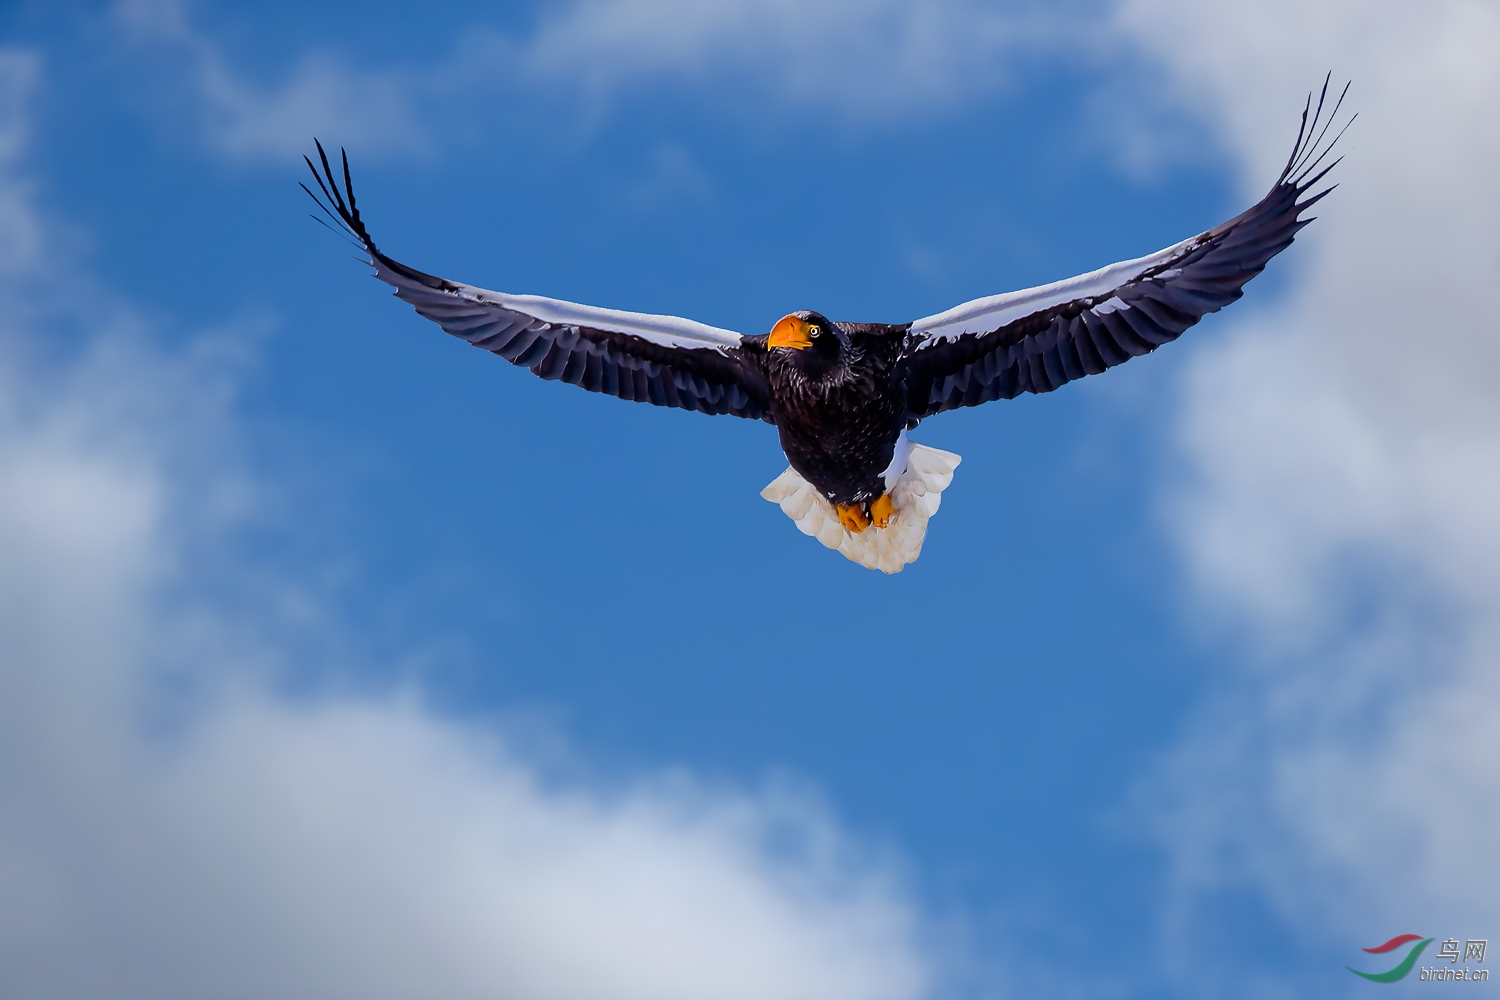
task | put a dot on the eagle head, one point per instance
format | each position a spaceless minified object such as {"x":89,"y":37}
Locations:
{"x":811,"y":340}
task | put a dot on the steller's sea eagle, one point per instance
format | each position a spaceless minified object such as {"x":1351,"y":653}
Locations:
{"x":843,"y":395}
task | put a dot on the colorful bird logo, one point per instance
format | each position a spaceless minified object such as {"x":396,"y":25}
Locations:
{"x":1405,"y":965}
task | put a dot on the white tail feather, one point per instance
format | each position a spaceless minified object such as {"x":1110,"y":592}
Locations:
{"x":916,"y":495}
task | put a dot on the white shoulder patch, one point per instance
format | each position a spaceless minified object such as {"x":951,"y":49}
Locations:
{"x":915,"y":496}
{"x":981,"y":316}
{"x":668,"y":331}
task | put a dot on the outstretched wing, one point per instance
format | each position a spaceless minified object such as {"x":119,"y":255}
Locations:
{"x":651,"y":359}
{"x":1037,"y":339}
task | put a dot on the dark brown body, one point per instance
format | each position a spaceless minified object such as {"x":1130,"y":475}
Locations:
{"x":838,"y":407}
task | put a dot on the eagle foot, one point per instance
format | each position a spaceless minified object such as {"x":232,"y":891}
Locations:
{"x":881,"y":510}
{"x":852,"y":516}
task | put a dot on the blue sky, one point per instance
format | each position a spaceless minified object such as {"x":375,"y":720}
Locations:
{"x":1138,"y":723}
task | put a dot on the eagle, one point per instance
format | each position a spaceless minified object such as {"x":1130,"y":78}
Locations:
{"x":842,"y":396}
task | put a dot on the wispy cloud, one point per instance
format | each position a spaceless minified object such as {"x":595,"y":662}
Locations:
{"x":1342,"y":480}
{"x":361,"y":847}
{"x":322,"y":95}
{"x":858,"y":61}
{"x":875,"y":59}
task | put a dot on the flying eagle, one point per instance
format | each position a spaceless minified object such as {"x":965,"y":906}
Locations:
{"x":842,"y":396}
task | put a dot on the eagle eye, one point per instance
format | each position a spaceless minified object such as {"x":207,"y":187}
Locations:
{"x":812,"y":331}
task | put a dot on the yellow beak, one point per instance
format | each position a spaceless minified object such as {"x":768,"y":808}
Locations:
{"x":790,"y":331}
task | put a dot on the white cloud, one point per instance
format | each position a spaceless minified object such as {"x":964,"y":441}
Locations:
{"x":1341,"y":491}
{"x":866,"y":58}
{"x":229,"y":843}
{"x":860,"y":59}
{"x":322,"y":96}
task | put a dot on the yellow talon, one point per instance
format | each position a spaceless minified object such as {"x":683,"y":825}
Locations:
{"x":882,"y":510}
{"x":852,"y":516}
